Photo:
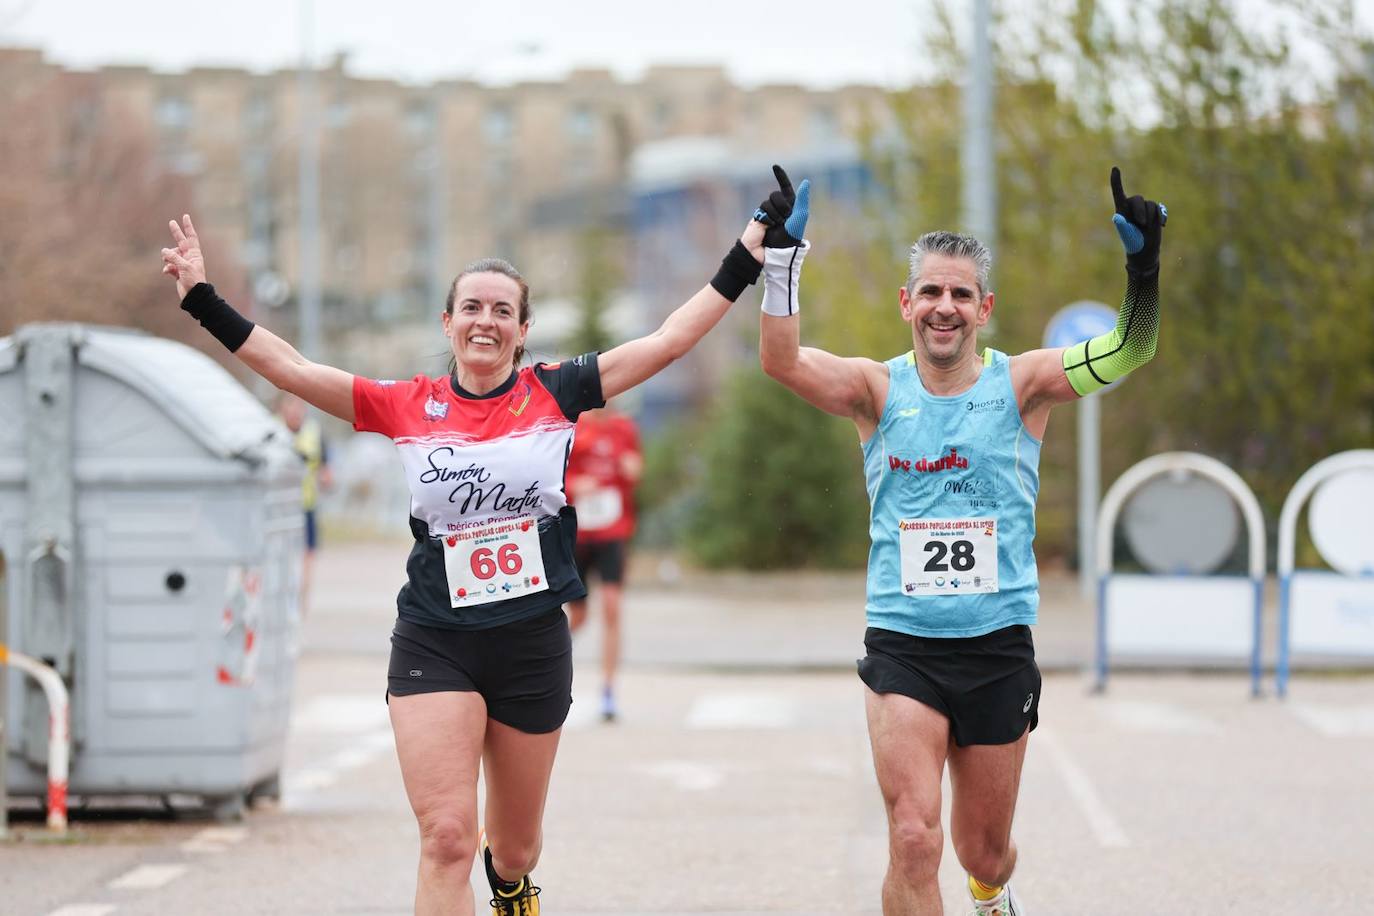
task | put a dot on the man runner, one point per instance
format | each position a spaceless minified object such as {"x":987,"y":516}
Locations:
{"x":603,"y":468}
{"x":951,"y":446}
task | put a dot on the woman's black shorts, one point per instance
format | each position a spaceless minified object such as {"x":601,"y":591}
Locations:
{"x":987,"y":686}
{"x":522,"y":669}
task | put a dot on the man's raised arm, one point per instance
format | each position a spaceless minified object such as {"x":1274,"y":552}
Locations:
{"x":1098,"y":362}
{"x":837,"y":385}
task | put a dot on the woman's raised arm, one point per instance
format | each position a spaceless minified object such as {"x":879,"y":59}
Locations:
{"x":327,"y":388}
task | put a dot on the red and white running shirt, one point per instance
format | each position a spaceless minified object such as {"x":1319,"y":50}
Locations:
{"x":605,"y":501}
{"x":474,"y":460}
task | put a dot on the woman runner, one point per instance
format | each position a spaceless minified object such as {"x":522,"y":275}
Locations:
{"x":481,"y":663}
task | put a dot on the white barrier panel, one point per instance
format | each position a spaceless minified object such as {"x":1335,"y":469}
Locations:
{"x":1181,"y":616}
{"x":1333,"y":613}
{"x":1337,"y":613}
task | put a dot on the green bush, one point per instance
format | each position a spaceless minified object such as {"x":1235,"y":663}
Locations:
{"x":781,"y":483}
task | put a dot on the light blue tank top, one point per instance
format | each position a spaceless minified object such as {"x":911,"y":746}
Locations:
{"x":939,"y":458}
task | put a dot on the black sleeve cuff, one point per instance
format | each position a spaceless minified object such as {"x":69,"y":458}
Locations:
{"x":201,"y":297}
{"x":1144,"y":272}
{"x":217,"y":316}
{"x":737,"y":270}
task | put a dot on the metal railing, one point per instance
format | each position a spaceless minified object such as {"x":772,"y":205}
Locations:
{"x":59,"y":733}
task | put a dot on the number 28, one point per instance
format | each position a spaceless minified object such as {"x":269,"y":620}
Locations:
{"x":960,"y":556}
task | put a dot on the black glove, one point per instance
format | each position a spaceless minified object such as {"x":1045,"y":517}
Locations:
{"x":785,"y":212}
{"x":1140,"y":223}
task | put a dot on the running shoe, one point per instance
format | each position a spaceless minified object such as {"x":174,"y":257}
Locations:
{"x":1004,"y":904}
{"x":523,"y":901}
{"x":609,"y":712}
{"x":520,"y":900}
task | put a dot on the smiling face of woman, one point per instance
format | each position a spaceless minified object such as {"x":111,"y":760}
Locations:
{"x":486,"y":322}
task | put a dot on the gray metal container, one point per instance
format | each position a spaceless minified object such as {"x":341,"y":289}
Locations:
{"x":150,"y":513}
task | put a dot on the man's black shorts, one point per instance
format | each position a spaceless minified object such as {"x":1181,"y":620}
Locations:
{"x":987,"y":686}
{"x":606,"y":557}
{"x":522,"y":669}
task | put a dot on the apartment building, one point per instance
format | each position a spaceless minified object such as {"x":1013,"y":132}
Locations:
{"x":417,"y":180}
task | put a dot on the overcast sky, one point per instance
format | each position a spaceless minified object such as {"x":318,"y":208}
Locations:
{"x":818,"y":43}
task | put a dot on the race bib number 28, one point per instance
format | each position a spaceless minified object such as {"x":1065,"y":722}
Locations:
{"x":494,"y":562}
{"x":944,"y":556}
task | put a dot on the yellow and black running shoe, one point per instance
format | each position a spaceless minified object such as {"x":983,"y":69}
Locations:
{"x":523,"y":901}
{"x":520,"y":898}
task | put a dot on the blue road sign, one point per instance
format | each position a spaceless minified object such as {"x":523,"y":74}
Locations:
{"x":1077,"y":322}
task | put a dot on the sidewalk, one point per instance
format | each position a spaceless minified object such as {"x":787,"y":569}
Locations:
{"x":797,"y":620}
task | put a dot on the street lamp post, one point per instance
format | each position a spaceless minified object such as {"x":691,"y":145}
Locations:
{"x":308,"y":283}
{"x":978,"y":157}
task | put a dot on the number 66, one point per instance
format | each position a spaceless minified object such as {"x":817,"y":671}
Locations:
{"x":507,"y":558}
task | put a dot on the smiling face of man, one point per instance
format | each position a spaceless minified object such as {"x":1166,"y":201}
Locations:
{"x":945,"y":307}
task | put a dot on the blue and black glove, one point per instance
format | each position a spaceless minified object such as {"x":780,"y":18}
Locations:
{"x":1140,"y":223}
{"x":785,"y":212}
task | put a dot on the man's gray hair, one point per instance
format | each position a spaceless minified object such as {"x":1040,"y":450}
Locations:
{"x":951,"y":245}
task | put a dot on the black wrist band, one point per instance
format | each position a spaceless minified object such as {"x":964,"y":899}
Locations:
{"x":217,"y":316}
{"x":1148,"y":273}
{"x":738,"y":269}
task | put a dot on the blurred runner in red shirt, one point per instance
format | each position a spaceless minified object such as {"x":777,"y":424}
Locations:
{"x":603,"y":469}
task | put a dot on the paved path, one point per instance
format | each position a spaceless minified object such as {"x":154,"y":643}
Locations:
{"x":744,"y":787}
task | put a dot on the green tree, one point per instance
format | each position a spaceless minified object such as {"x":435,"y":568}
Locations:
{"x":1266,"y":357}
{"x":780,"y":486}
{"x":599,"y":276}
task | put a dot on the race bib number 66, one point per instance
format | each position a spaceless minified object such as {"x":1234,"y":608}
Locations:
{"x":948,"y":556}
{"x":494,"y":562}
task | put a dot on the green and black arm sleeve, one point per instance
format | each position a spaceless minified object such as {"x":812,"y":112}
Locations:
{"x":1096,"y":363}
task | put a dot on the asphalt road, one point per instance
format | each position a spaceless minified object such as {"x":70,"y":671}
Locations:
{"x":739,"y":781}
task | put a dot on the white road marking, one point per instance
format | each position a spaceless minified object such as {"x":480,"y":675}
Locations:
{"x":341,"y":713}
{"x":742,"y":710}
{"x":1336,"y":721}
{"x":1146,"y":716}
{"x":299,"y":783}
{"x":147,"y":877}
{"x":688,"y":775}
{"x":85,"y":909}
{"x":214,"y":839}
{"x":1104,"y":826}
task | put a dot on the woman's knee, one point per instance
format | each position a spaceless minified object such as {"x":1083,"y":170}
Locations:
{"x":515,"y":855}
{"x":448,"y":837}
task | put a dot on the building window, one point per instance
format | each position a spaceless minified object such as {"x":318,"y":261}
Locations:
{"x":498,"y":124}
{"x":420,"y":119}
{"x":257,"y":112}
{"x":824,"y":125}
{"x":173,"y":112}
{"x":338,"y":114}
{"x":662,"y":116}
{"x":581,"y":123}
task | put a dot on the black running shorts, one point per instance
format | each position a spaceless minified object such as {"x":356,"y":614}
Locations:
{"x":522,"y":669}
{"x":987,"y":686}
{"x":606,"y":557}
